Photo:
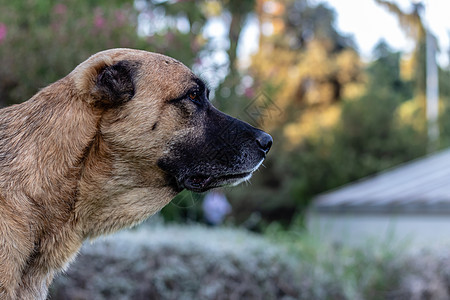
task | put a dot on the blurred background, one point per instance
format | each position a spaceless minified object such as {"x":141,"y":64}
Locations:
{"x":347,"y":89}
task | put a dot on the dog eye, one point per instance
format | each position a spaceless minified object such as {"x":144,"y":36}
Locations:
{"x":193,"y":96}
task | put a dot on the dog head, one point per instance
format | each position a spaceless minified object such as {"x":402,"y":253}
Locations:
{"x":157,"y":116}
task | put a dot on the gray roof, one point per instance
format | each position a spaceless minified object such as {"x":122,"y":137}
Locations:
{"x":422,"y":185}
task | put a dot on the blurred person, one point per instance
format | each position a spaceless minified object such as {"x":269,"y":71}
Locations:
{"x":215,"y":207}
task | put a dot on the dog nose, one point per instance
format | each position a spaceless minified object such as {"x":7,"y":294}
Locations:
{"x":264,"y":141}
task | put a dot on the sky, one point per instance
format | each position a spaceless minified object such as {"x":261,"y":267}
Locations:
{"x":361,"y":19}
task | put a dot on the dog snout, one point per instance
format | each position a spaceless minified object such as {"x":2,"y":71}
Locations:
{"x":264,"y":141}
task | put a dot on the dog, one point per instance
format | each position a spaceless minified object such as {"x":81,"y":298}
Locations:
{"x":103,"y":149}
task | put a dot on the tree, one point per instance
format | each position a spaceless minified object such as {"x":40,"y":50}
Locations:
{"x":414,"y":111}
{"x":304,"y":68}
{"x":238,"y":12}
{"x":370,"y":136}
{"x":412,"y":24}
{"x":322,"y":68}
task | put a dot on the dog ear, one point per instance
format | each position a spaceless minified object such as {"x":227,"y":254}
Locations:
{"x":114,"y":84}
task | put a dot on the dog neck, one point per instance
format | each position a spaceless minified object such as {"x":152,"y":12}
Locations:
{"x":114,"y":193}
{"x":42,"y":147}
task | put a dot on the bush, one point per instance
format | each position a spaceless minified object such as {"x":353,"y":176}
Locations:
{"x":179,"y":262}
{"x":197,"y":262}
{"x":428,"y":276}
{"x":337,"y":271}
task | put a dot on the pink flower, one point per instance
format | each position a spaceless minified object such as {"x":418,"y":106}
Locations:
{"x":3,"y":31}
{"x":195,"y":47}
{"x":99,"y":21}
{"x":120,"y":18}
{"x":198,"y":61}
{"x":170,"y":36}
{"x":60,"y":9}
{"x":249,"y":92}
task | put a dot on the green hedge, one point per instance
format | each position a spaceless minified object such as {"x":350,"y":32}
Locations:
{"x":198,"y":262}
{"x":180,"y":262}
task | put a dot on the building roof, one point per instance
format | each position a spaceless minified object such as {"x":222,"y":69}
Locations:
{"x":422,"y":185}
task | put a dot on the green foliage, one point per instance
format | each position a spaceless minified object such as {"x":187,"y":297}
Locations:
{"x":303,"y":69}
{"x":369,"y":130}
{"x":444,"y":120}
{"x":185,"y":207}
{"x":305,"y":22}
{"x":162,"y":19}
{"x":45,"y":40}
{"x":180,"y":262}
{"x":385,"y":76}
{"x":412,"y":24}
{"x":372,"y":271}
{"x":195,"y":262}
{"x":369,"y":137}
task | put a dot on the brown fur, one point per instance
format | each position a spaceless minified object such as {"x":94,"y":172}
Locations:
{"x":100,"y":150}
{"x":61,"y":181}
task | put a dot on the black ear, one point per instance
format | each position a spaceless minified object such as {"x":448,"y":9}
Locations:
{"x":115,"y":84}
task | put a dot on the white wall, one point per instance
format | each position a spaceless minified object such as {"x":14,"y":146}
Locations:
{"x":356,"y":229}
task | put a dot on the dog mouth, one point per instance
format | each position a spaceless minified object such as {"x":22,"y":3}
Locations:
{"x":202,"y":183}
